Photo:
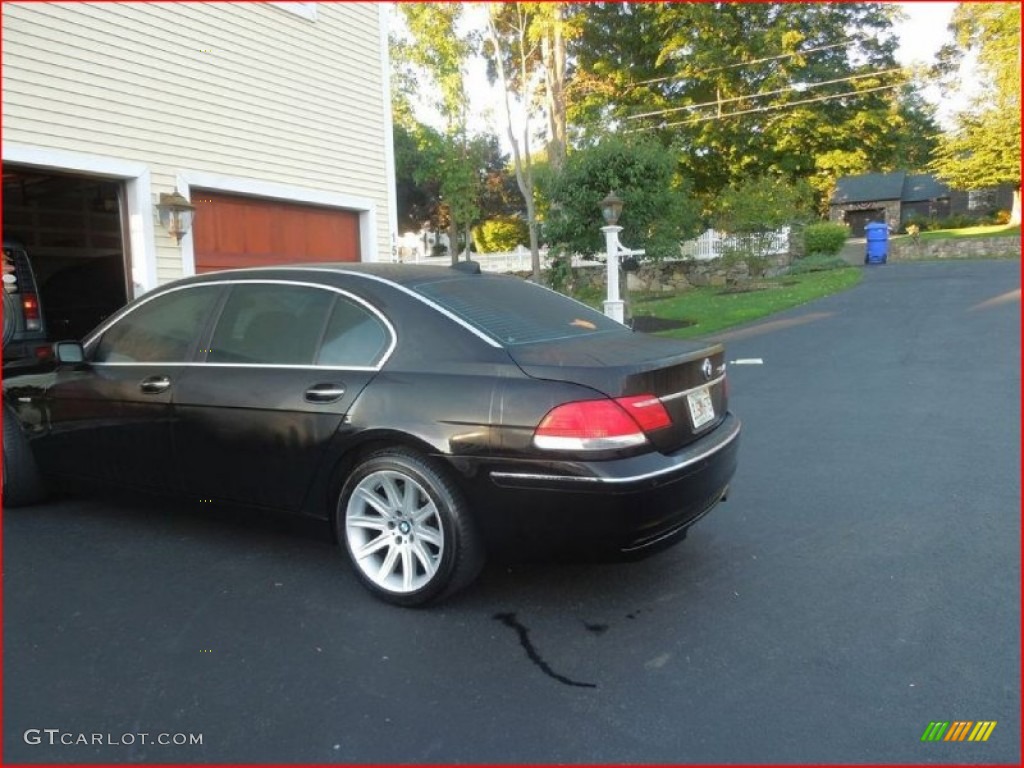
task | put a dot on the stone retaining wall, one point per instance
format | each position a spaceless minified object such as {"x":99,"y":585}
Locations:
{"x":905,"y":249}
{"x":673,"y":276}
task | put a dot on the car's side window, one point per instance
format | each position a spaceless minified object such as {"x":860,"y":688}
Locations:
{"x":270,"y":324}
{"x":163,"y":330}
{"x":355,"y":337}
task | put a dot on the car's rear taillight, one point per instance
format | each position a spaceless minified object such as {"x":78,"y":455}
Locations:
{"x":601,"y":425}
{"x":647,"y":410}
{"x":30,"y":308}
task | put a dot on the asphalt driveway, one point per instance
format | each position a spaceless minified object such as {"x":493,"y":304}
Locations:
{"x":862,"y":581}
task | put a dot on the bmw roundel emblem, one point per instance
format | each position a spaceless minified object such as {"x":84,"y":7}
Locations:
{"x":706,"y":368}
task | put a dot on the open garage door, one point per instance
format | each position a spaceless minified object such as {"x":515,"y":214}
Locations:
{"x":232,"y":231}
{"x":860,"y":219}
{"x":71,"y":227}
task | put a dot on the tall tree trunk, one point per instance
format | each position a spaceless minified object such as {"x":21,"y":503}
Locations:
{"x":520,"y":155}
{"x":553,"y":49}
{"x":453,"y":239}
{"x":1015,"y":212}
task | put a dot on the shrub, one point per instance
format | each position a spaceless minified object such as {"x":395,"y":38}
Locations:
{"x":824,"y":238}
{"x":960,"y":221}
{"x":760,"y":204}
{"x":560,"y":274}
{"x":920,"y":222}
{"x":816,"y":262}
{"x":502,"y":233}
{"x":659,"y":212}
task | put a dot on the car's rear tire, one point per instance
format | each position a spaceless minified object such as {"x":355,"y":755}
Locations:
{"x":406,"y":529}
{"x":21,"y":483}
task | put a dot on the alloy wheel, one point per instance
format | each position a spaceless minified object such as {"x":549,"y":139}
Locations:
{"x":394,"y":531}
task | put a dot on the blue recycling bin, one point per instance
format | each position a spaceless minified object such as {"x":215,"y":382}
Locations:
{"x":877,"y":233}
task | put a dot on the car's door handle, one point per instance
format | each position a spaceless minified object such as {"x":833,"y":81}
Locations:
{"x":324,"y":393}
{"x":154,"y":385}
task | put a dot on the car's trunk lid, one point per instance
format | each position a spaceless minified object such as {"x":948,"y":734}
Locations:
{"x":683,"y":375}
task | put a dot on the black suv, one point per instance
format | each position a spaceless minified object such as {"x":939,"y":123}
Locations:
{"x":24,"y":329}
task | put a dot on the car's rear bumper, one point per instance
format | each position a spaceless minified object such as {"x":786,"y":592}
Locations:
{"x":628,"y":504}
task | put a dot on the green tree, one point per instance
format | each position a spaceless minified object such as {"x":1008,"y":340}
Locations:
{"x":526,"y":51}
{"x":501,"y":233}
{"x":761,"y":204}
{"x":416,"y":199}
{"x":801,"y":90}
{"x":438,"y":180}
{"x":440,"y":53}
{"x":983,"y":150}
{"x":755,"y":209}
{"x":511,"y":51}
{"x":659,"y":212}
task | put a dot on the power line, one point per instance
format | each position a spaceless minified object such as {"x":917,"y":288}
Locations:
{"x":705,"y":118}
{"x":791,"y":87}
{"x":849,"y":42}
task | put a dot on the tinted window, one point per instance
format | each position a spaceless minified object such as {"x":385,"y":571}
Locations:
{"x":354,"y":337}
{"x":515,"y":311}
{"x":271,"y":324}
{"x":163,"y":330}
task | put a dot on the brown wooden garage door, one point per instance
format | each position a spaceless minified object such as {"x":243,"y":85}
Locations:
{"x":233,"y":231}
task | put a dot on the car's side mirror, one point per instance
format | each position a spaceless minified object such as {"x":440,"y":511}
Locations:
{"x":68,"y":353}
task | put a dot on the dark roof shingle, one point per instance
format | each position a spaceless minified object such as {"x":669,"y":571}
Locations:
{"x":898,"y":185}
{"x":922,"y":187}
{"x":869,"y":187}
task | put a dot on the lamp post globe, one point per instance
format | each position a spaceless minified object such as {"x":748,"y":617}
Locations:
{"x":611,"y":209}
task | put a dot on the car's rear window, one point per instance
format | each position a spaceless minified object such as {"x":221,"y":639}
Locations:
{"x":514,"y":311}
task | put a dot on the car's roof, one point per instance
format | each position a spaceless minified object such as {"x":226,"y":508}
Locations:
{"x":402,"y":274}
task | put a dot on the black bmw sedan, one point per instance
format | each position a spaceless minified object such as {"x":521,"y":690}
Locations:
{"x":429,"y":413}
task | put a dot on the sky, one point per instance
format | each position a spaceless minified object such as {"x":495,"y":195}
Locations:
{"x":921,"y":35}
{"x":923,"y":32}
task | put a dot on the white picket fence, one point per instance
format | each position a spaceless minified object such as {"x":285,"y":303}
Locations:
{"x":713,"y":244}
{"x":508,"y":261}
{"x":710,"y":245}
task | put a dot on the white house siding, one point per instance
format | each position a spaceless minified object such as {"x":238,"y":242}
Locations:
{"x":239,"y":91}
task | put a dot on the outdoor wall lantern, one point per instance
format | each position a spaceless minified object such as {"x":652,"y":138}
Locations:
{"x":176,"y":214}
{"x":611,"y":209}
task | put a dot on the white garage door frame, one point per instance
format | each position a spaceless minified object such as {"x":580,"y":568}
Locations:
{"x":186,"y":181}
{"x":138,"y":197}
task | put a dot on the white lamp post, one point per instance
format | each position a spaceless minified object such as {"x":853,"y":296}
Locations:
{"x":611,"y":209}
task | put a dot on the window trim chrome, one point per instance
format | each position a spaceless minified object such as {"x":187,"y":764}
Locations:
{"x":393,"y":335}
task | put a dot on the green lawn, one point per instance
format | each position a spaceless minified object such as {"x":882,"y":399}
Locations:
{"x":995,"y":230}
{"x":713,"y":309}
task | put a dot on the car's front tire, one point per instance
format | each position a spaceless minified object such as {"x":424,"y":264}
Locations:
{"x":21,"y":483}
{"x":406,"y":528}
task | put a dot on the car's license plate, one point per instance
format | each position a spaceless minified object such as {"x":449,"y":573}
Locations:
{"x":702,"y":410}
